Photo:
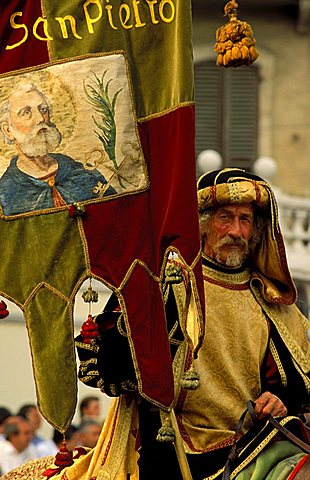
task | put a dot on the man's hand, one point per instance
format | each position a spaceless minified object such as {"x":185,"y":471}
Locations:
{"x":269,"y":404}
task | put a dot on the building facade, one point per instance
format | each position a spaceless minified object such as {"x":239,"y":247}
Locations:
{"x":248,"y":114}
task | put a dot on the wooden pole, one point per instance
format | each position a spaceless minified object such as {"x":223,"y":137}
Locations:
{"x":179,"y":448}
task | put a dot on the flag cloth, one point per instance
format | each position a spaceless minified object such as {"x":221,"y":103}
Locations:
{"x":97,"y":176}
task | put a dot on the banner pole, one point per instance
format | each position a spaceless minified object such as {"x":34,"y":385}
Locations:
{"x":179,"y":448}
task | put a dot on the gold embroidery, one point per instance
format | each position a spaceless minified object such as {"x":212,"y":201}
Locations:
{"x":226,"y":278}
{"x":259,"y":448}
{"x":278,"y":363}
{"x":32,"y":470}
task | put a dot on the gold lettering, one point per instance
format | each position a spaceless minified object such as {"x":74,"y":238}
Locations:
{"x":89,"y":20}
{"x":135,"y":4}
{"x":124,"y":21}
{"x":45,"y":24}
{"x":63,"y":26}
{"x":151,"y":4}
{"x":16,"y":26}
{"x":161,"y":10}
{"x":109,"y":10}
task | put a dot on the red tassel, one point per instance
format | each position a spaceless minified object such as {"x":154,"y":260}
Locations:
{"x":3,"y":309}
{"x":89,"y":330}
{"x":64,"y":458}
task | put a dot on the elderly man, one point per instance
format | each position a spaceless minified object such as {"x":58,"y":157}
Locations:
{"x":16,"y":450}
{"x":255,"y":345}
{"x":36,"y":178}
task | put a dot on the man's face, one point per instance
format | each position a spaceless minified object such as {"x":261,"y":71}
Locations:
{"x":22,"y":439}
{"x":34,"y":418}
{"x":90,"y":437}
{"x":228,"y":232}
{"x":29,"y":124}
{"x":93,"y":409}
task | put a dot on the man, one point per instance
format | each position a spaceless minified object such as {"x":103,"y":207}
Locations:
{"x":37,"y":179}
{"x":89,"y":408}
{"x":4,"y":415}
{"x":89,"y":432}
{"x":255,"y":345}
{"x":41,"y":446}
{"x":16,"y":450}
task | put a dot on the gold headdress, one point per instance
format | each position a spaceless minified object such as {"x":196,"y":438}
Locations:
{"x":236,"y":186}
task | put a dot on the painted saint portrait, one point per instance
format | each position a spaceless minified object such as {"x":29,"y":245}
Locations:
{"x":94,"y":155}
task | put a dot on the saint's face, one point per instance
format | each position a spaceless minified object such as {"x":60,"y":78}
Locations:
{"x":28,"y":110}
{"x":229,"y":230}
{"x":29,"y":125}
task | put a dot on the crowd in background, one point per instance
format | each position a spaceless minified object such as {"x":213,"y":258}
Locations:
{"x":20,"y":441}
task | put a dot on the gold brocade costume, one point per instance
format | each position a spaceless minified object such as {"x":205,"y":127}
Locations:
{"x":228,"y":361}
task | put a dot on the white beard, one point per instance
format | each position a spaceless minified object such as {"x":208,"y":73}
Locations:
{"x":234,"y":259}
{"x":38,"y":143}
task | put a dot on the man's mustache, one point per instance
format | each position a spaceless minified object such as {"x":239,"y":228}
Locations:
{"x":228,"y":240}
{"x":43,"y":126}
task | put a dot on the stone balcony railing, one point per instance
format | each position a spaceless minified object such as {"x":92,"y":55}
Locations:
{"x":294,"y":217}
{"x":294,"y":214}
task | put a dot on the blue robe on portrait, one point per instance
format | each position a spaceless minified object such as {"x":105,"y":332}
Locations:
{"x":20,"y":193}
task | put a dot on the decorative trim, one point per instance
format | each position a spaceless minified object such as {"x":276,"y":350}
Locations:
{"x":259,"y":448}
{"x":276,"y":358}
{"x":233,"y":280}
{"x":165,"y":112}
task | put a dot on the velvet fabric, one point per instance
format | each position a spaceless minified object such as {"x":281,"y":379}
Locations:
{"x":125,"y":242}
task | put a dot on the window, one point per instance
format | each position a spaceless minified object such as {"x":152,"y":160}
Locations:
{"x":227,"y":112}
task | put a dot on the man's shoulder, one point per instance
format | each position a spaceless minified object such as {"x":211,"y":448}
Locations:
{"x":66,"y":161}
{"x":11,"y":168}
{"x":7,"y":448}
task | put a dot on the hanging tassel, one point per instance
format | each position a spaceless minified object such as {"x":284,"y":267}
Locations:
{"x":89,"y":330}
{"x":166,"y":433}
{"x":64,"y":458}
{"x":90,"y":296}
{"x":235,"y":44}
{"x":190,"y":379}
{"x":173,"y":272}
{"x":77,"y":210}
{"x":3,"y":310}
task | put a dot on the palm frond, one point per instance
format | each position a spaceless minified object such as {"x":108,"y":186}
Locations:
{"x":98,"y":96}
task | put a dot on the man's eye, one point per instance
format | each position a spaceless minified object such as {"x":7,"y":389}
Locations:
{"x":25,"y":112}
{"x":43,"y":110}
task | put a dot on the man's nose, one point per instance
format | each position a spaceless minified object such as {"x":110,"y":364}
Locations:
{"x":235,"y":228}
{"x":39,"y":116}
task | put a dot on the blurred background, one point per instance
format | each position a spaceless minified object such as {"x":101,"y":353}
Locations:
{"x":256,"y":118}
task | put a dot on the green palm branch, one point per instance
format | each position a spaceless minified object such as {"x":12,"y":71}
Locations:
{"x":97,"y":93}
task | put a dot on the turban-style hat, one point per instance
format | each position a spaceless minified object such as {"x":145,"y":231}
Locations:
{"x":231,"y":186}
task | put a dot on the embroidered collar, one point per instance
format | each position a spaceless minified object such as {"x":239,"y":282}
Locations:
{"x":224,"y":275}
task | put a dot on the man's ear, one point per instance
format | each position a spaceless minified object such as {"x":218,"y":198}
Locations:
{"x":6,"y":129}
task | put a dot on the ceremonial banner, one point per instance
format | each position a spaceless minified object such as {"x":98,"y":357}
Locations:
{"x":97,"y":176}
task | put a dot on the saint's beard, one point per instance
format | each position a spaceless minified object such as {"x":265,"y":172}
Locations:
{"x":40,"y":141}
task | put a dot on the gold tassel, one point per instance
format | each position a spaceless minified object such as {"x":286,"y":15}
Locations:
{"x":235,"y":44}
{"x":173,"y":272}
{"x":190,"y":379}
{"x":166,"y":433}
